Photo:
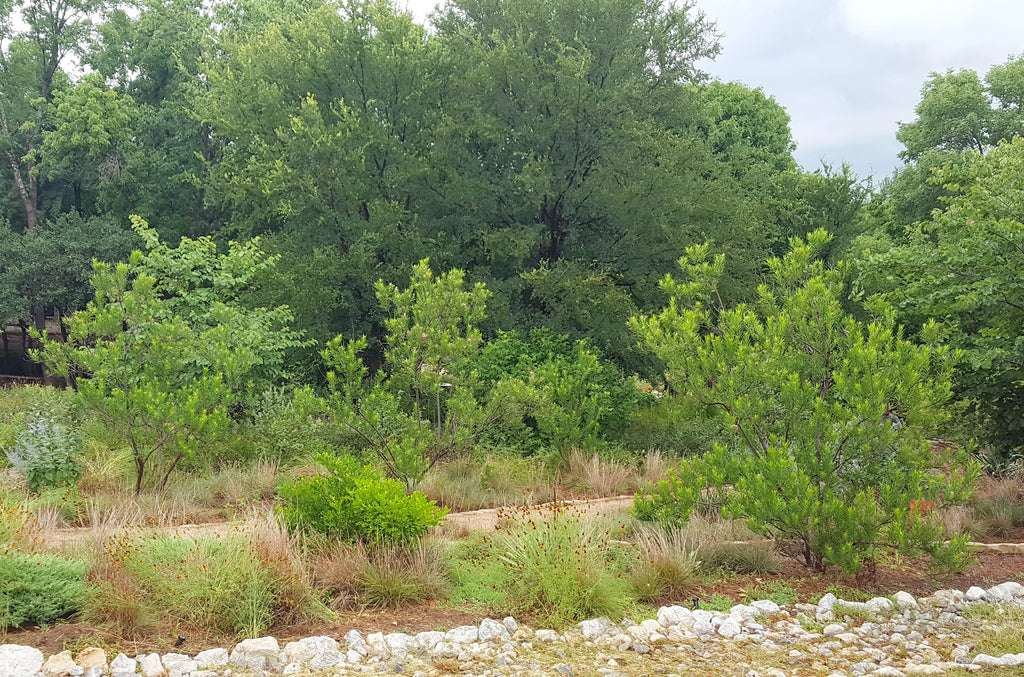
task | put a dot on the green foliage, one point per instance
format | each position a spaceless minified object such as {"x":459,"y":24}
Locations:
{"x":823,"y":417}
{"x":164,"y":347}
{"x":572,"y":396}
{"x":421,"y":407}
{"x":356,"y":503}
{"x":963,"y":268}
{"x":39,"y":589}
{"x":45,"y":452}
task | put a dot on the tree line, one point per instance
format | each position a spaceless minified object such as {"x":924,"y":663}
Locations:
{"x":563,"y":153}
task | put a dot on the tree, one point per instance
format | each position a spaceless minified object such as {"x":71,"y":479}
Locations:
{"x":158,"y":370}
{"x":129,"y":356}
{"x":30,"y":62}
{"x":824,"y":418}
{"x":421,"y":407}
{"x":963,"y":268}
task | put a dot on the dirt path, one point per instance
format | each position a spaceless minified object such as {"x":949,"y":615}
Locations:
{"x":458,"y":523}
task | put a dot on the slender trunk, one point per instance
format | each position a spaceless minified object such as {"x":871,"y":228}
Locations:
{"x":29,"y":193}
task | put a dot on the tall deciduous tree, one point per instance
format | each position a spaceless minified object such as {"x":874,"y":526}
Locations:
{"x":963,"y":267}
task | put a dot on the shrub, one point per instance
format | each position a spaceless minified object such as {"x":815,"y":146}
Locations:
{"x":822,"y":417}
{"x":357,"y":503}
{"x":39,"y":589}
{"x":45,"y":452}
{"x":574,"y":394}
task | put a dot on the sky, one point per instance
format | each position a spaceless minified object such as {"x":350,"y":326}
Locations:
{"x":848,"y":71}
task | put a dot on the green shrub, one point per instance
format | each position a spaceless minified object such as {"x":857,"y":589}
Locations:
{"x":823,"y":416}
{"x":38,"y":589}
{"x":357,"y":503}
{"x":576,"y":395}
{"x":45,"y":452}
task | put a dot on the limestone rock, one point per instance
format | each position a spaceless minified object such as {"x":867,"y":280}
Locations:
{"x":253,"y":654}
{"x":60,"y":665}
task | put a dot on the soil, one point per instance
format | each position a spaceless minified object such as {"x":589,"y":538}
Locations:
{"x":912,"y":576}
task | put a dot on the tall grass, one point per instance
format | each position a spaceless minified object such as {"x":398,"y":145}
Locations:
{"x":597,"y":476}
{"x":240,"y":584}
{"x":558,"y":565}
{"x":666,"y":566}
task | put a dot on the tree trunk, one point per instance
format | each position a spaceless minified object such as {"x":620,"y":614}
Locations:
{"x":29,"y":193}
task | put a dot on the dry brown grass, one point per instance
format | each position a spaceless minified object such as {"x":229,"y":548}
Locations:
{"x":666,"y":564}
{"x":338,"y":570}
{"x":597,"y":476}
{"x":655,"y":467}
{"x":1009,"y":488}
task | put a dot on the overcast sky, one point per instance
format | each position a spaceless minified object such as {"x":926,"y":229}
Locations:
{"x":848,"y":70}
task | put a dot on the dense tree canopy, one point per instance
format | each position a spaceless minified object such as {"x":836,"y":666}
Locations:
{"x":563,"y":152}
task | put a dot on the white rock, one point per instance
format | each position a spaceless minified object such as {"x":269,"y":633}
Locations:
{"x":20,"y":661}
{"x":651,"y":625}
{"x":833,"y":629}
{"x":353,"y":637}
{"x":178,"y":665}
{"x":400,"y":643}
{"x":294,"y":653}
{"x":905,"y":600}
{"x":491,"y":630}
{"x":986,"y":660}
{"x":639,"y":633}
{"x":253,"y":654}
{"x":510,"y":624}
{"x":728,"y":629}
{"x":211,"y":658}
{"x":879,"y":605}
{"x":673,"y":615}
{"x":428,"y":640}
{"x":1004,"y":592}
{"x":93,"y":671}
{"x":546,"y":636}
{"x":326,"y":658}
{"x":60,"y":665}
{"x":150,"y":665}
{"x":975,"y":594}
{"x":742,"y":612}
{"x":825,"y":606}
{"x":923,"y":669}
{"x":766,"y":606}
{"x":122,"y":663}
{"x":464,"y":634}
{"x":375,"y":640}
{"x":597,"y":627}
{"x":888,"y":671}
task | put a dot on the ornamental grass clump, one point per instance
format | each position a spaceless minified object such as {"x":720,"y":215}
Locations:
{"x":559,"y":564}
{"x":235,"y":585}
